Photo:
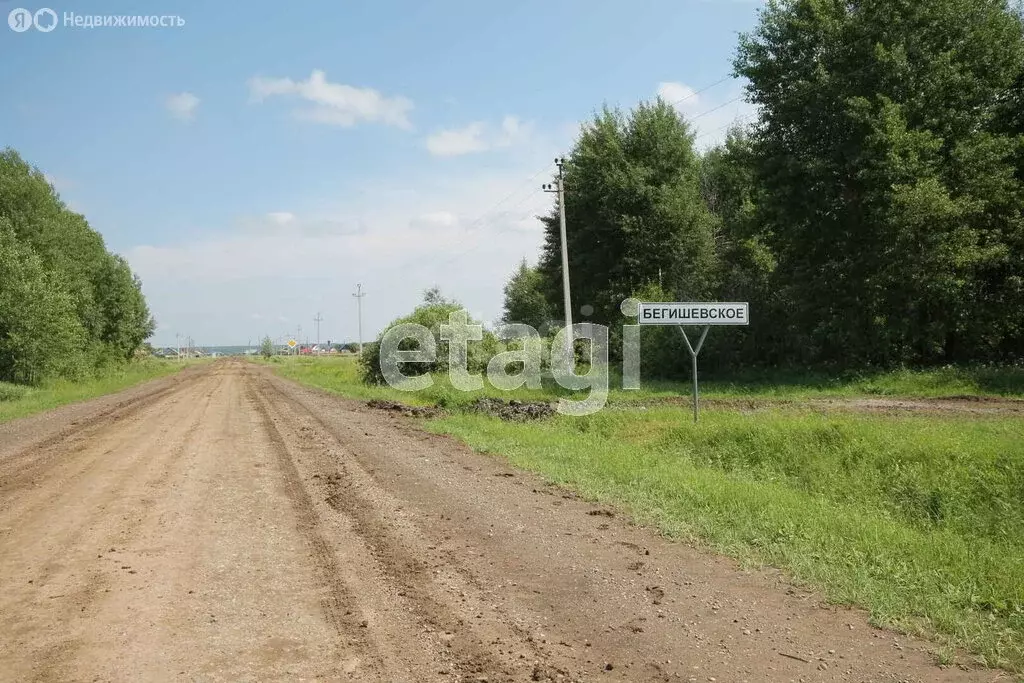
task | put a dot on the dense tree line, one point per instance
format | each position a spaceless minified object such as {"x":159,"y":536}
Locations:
{"x":68,"y":306}
{"x":873,"y":213}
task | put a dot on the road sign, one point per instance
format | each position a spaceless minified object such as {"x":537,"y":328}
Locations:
{"x":702,"y":313}
{"x":292,"y":343}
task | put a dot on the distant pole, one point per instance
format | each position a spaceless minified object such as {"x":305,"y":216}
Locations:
{"x":359,"y":294}
{"x":177,"y":343}
{"x":567,"y":300}
{"x":298,"y":339}
{"x":317,"y":320}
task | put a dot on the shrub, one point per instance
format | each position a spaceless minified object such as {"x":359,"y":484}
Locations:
{"x":432,"y":313}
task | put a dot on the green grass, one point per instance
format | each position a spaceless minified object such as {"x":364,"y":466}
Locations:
{"x":20,"y":401}
{"x":1005,"y":382}
{"x":341,"y":375}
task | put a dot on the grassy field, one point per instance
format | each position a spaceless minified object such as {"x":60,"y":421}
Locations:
{"x":20,"y":401}
{"x":918,"y":518}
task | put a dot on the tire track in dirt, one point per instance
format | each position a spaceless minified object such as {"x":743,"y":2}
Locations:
{"x":346,"y":623}
{"x":24,"y":466}
{"x":60,"y":562}
{"x":221,"y":583}
{"x":176,"y":553}
{"x":406,"y":647}
{"x":446,"y":598}
{"x":64,"y":480}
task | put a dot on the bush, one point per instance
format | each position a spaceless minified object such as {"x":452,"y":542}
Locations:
{"x":267,"y":347}
{"x":12,"y":392}
{"x":432,"y":313}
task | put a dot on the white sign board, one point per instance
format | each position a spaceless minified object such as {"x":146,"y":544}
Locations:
{"x":701,"y":314}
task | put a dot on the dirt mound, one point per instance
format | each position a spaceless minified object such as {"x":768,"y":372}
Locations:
{"x":516,"y":411}
{"x":402,"y":409}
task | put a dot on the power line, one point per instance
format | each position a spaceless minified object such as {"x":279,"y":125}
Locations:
{"x":714,"y":109}
{"x":736,"y":121}
{"x":488,"y":214}
{"x":693,"y":94}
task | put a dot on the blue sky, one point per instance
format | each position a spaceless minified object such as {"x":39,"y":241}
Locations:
{"x":257,"y":162}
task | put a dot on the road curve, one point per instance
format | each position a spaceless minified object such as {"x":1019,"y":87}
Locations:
{"x":226,"y":525}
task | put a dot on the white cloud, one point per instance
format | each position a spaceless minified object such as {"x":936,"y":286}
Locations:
{"x":335,"y":104}
{"x":441,"y":218}
{"x":182,"y":106}
{"x":281,"y":217}
{"x":711,"y":113}
{"x":447,"y":143}
{"x":478,"y":137}
{"x":677,"y":93}
{"x":514,"y":132}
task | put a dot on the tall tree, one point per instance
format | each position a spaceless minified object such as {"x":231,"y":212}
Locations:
{"x":54,"y":253}
{"x":524,"y":298}
{"x":634,"y":212}
{"x":888,"y":190}
{"x":746,"y":261}
{"x":40,"y":334}
{"x":125,"y":315}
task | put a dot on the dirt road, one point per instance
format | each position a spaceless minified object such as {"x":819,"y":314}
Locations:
{"x":224,"y":524}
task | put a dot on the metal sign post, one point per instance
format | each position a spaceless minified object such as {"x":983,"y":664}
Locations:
{"x":701,"y":314}
{"x":693,"y":357}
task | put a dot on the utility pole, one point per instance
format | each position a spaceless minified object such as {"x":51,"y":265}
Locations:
{"x":559,"y":189}
{"x":177,"y":343}
{"x":359,"y":294}
{"x":298,"y":338}
{"x":317,"y":320}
